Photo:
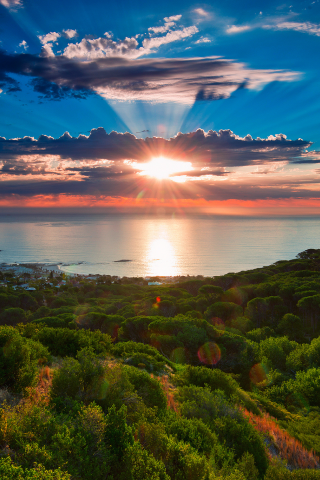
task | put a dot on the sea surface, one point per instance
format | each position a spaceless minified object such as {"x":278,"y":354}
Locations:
{"x":150,"y":246}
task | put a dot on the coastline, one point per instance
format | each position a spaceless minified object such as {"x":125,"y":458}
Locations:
{"x":43,"y":271}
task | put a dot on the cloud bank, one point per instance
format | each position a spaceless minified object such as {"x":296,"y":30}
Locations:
{"x":181,"y":80}
{"x":223,"y":148}
{"x":109,"y":166}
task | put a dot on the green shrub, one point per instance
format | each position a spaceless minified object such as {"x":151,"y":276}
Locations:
{"x":67,"y":342}
{"x":280,"y":473}
{"x":9,"y":471}
{"x":118,"y":435}
{"x":201,"y":403}
{"x":148,"y":388}
{"x":19,"y":359}
{"x":213,"y":378}
{"x":139,"y":464}
{"x":78,"y":378}
{"x":126,"y":350}
{"x":193,"y":431}
{"x":241,"y":437}
{"x":13,"y":316}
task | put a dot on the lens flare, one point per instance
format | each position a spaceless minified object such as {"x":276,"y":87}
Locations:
{"x":178,"y":355}
{"x":259,"y":374}
{"x":209,"y":353}
{"x":103,"y":388}
{"x":218,"y":323}
{"x":298,"y":400}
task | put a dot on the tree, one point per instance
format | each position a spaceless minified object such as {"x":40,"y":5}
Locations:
{"x":310,"y":308}
{"x":211,"y":290}
{"x":13,"y":316}
{"x":226,"y":311}
{"x":256,"y":310}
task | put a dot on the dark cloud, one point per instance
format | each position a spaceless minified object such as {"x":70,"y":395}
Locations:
{"x":217,"y":172}
{"x":52,"y":91}
{"x":131,"y":185}
{"x":218,"y":149}
{"x":181,"y":80}
{"x":10,"y":85}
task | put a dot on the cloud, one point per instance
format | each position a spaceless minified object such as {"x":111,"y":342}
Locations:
{"x":52,"y":91}
{"x":219,"y":149}
{"x":104,"y":47}
{"x":9,"y":84}
{"x":169,"y":23}
{"x":173,"y":18}
{"x":11,"y":4}
{"x":237,"y":29}
{"x":304,"y":27}
{"x":24,"y":44}
{"x":181,"y":80}
{"x":203,"y":40}
{"x":69,"y":33}
{"x":46,"y":41}
{"x":162,"y":29}
{"x":104,"y":164}
{"x":201,"y":12}
{"x":217,"y":188}
{"x":89,"y":49}
{"x":49,"y":37}
{"x":155,"y":42}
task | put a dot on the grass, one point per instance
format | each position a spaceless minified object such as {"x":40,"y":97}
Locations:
{"x":289,"y":448}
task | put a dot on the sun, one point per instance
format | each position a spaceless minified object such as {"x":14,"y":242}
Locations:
{"x":163,"y":168}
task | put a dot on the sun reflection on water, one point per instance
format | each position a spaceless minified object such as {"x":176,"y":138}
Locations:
{"x":161,"y":258}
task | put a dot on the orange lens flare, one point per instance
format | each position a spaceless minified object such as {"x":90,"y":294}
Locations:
{"x":209,"y":353}
{"x":259,"y":374}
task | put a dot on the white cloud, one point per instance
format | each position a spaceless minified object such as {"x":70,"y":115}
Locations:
{"x":173,"y":18}
{"x":305,"y":27}
{"x":94,"y":48}
{"x":203,"y":40}
{"x":49,"y":37}
{"x":47,"y":51}
{"x":1,"y":90}
{"x":12,"y":4}
{"x":151,"y":43}
{"x":201,"y":12}
{"x":235,"y":29}
{"x":69,"y":33}
{"x":24,"y":44}
{"x":102,"y":47}
{"x":162,"y":29}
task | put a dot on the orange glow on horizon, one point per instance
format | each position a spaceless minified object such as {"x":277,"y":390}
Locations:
{"x":289,"y":206}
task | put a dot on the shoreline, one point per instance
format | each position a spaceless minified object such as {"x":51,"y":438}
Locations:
{"x":44,"y":269}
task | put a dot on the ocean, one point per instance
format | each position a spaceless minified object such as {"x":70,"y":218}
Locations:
{"x":145,"y":246}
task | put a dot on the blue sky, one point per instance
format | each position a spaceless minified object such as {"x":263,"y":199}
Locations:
{"x":154,"y":70}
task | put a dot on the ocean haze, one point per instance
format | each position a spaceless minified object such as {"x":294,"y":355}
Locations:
{"x":149,"y":246}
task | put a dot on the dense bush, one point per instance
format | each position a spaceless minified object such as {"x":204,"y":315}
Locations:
{"x":65,"y":342}
{"x":19,"y":359}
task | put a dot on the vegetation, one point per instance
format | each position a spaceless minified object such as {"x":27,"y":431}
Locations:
{"x":204,"y":379}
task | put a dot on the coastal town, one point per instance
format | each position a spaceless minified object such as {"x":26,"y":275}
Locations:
{"x":34,"y":276}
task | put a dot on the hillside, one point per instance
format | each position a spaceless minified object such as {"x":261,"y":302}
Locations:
{"x":200,"y":379}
